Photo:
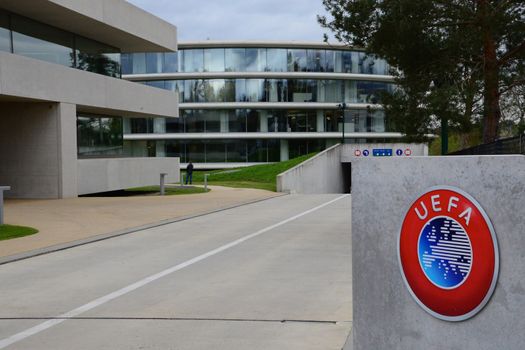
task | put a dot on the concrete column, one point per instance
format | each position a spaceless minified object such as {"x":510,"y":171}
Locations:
{"x":285,"y":154}
{"x":159,"y":125}
{"x":263,"y":121}
{"x":38,"y":149}
{"x":68,"y":155}
{"x":225,"y":126}
{"x":320,"y":121}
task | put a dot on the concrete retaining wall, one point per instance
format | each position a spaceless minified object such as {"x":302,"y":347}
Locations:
{"x":325,"y":172}
{"x":385,"y":315}
{"x":101,"y":175}
{"x":322,"y":173}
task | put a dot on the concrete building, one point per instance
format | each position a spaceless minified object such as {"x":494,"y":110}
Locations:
{"x":244,"y":103}
{"x":62,"y":97}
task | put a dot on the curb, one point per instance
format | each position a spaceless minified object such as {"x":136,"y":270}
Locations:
{"x":101,"y":237}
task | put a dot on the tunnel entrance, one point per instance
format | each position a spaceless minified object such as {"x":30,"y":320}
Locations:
{"x":347,"y":177}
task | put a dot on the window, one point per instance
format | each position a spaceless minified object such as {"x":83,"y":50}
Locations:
{"x":42,"y":42}
{"x":171,"y":62}
{"x":276,"y":60}
{"x":193,"y":60}
{"x":99,"y":136}
{"x":234,"y":60}
{"x":5,"y":36}
{"x":297,"y":60}
{"x":255,"y":60}
{"x":96,"y":57}
{"x":214,"y":60}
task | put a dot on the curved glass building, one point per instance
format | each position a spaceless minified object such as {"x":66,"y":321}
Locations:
{"x":255,"y":102}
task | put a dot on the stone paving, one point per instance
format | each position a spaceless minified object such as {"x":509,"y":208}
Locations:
{"x":64,"y":221}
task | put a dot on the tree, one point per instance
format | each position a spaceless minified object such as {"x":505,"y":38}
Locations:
{"x":452,"y":59}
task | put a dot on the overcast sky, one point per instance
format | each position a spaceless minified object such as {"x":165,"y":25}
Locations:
{"x":240,"y":19}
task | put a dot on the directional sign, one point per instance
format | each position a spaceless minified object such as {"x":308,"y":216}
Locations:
{"x":399,"y":152}
{"x":366,"y":153}
{"x":382,"y":152}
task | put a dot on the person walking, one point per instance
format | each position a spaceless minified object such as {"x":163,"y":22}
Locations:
{"x":189,"y":172}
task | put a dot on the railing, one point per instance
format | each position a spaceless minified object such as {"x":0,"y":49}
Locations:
{"x":511,"y":145}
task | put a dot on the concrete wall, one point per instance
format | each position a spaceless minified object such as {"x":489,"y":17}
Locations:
{"x":114,"y":22}
{"x":322,"y":173}
{"x":348,"y":153}
{"x":38,"y":149}
{"x":100,"y":175}
{"x":22,"y":77}
{"x":325,"y":173}
{"x":385,"y":314}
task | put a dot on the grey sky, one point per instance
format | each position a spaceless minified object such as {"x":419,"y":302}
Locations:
{"x":240,"y":19}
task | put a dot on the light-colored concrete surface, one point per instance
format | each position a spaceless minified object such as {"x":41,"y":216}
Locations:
{"x":24,"y":77}
{"x":68,"y":220}
{"x":288,"y":288}
{"x":110,"y":174}
{"x":385,"y":314}
{"x":322,"y":173}
{"x":114,"y":22}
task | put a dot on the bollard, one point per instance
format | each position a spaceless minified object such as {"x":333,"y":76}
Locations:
{"x":206,"y":182}
{"x":181,"y":178}
{"x":2,"y":189}
{"x":162,"y":186}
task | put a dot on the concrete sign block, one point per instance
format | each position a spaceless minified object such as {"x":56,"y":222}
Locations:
{"x":449,"y":247}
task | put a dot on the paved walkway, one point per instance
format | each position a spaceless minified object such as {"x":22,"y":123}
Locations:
{"x":69,"y":220}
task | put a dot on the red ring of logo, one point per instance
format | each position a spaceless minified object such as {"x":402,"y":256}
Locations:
{"x":469,"y":297}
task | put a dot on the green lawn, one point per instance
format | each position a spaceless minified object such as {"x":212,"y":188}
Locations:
{"x":169,"y":190}
{"x":10,"y":231}
{"x":258,"y":176}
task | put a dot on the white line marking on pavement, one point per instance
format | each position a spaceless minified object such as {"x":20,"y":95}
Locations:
{"x":102,"y":300}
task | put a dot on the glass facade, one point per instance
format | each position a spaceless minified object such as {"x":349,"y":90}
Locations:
{"x":99,"y":136}
{"x":254,"y":60}
{"x":283,"y":118}
{"x":252,"y":120}
{"x":274,"y":90}
{"x":26,"y":37}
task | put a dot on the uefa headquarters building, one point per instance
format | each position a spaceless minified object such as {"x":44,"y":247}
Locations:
{"x":242,"y":103}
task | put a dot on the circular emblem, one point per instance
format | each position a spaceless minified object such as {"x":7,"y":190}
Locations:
{"x":399,"y":152}
{"x":408,"y":152}
{"x":366,"y":152}
{"x":448,"y":253}
{"x":357,"y":153}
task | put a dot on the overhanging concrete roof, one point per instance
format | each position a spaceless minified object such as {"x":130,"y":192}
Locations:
{"x":113,"y":22}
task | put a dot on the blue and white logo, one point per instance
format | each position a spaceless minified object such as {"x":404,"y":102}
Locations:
{"x":366,"y":153}
{"x":399,"y":152}
{"x":445,"y":252}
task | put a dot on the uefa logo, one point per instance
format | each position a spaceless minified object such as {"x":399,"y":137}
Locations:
{"x":448,"y":253}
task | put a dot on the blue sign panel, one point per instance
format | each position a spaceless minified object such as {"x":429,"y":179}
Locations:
{"x":382,"y":152}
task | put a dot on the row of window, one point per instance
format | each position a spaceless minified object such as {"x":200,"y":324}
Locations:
{"x":29,"y":38}
{"x":275,"y":90}
{"x":196,"y":121}
{"x":222,"y":151}
{"x":253,"y":60}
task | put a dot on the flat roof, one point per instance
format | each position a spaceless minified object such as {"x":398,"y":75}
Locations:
{"x":265,"y":43}
{"x":114,"y":22}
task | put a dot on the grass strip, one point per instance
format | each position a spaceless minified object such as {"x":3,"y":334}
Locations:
{"x":169,"y":190}
{"x":11,"y":231}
